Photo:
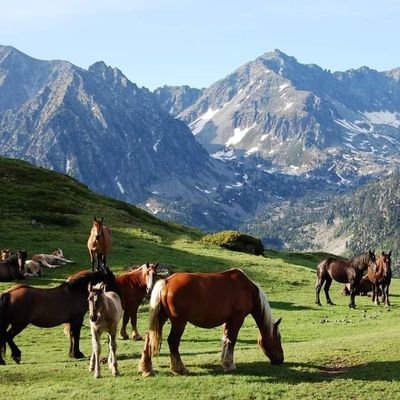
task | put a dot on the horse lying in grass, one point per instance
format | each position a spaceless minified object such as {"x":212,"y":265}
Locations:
{"x":12,"y":268}
{"x":51,"y":260}
{"x":105,"y":311}
{"x":208,"y":300}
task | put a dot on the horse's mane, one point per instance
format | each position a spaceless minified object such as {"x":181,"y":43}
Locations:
{"x":362,"y":258}
{"x":265,"y":309}
{"x":81,"y":282}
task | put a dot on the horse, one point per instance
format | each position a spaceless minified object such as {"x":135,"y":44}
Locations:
{"x":105,"y":311}
{"x":4,"y":254}
{"x":381,"y":277}
{"x":51,"y":260}
{"x":58,"y":252}
{"x":22,"y":305}
{"x":134,"y":286}
{"x":99,"y":244}
{"x":32,"y":268}
{"x":208,"y":300}
{"x":343,"y":271}
{"x":13,"y":267}
{"x":364,"y":288}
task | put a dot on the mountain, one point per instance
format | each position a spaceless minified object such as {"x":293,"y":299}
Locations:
{"x":100,"y":128}
{"x":302,"y":119}
{"x":175,"y":99}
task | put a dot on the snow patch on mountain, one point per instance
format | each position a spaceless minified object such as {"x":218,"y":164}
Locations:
{"x":238,"y":135}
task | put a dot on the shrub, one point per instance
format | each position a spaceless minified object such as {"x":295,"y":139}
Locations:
{"x":234,"y":240}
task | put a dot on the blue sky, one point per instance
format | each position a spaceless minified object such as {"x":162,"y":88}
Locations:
{"x":177,"y":42}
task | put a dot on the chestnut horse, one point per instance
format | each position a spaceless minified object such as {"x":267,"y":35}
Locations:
{"x":99,"y":244}
{"x":208,"y":300}
{"x":133,"y":286}
{"x":13,"y":267}
{"x":381,"y":276}
{"x":343,"y":271}
{"x":23,"y":305}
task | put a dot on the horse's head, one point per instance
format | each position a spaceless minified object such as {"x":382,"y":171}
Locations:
{"x":98,"y":227}
{"x":22,"y":255}
{"x":150,"y":272}
{"x":386,"y":261}
{"x":270,"y":344}
{"x":4,"y":254}
{"x":95,"y":299}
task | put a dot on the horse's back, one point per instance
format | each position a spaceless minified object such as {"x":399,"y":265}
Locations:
{"x":208,"y":299}
{"x":339,"y":270}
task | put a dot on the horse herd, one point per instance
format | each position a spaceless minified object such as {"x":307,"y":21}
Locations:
{"x":205,"y":300}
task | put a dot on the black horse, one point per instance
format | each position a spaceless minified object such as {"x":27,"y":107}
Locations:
{"x":343,"y":271}
{"x":12,"y":268}
{"x":23,"y":305}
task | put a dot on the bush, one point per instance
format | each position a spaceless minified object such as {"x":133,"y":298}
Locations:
{"x":236,"y":241}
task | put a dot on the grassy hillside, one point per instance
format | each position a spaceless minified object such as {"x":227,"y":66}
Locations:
{"x":330,"y":352}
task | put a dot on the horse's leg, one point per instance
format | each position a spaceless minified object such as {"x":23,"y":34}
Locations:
{"x":328,"y":282}
{"x":3,"y":340}
{"x":375,"y":291}
{"x":318,"y":286}
{"x":145,"y":365}
{"x":231,"y":330}
{"x":174,"y":339}
{"x":112,"y":354}
{"x":74,"y":337}
{"x":95,"y":357}
{"x":352,"y":303}
{"x":125,"y":319}
{"x":92,"y":260}
{"x":10,"y":335}
{"x":135,"y":333}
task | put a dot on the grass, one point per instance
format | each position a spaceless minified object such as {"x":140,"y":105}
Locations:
{"x":330,"y":351}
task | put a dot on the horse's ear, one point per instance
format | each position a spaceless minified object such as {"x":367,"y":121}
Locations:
{"x":94,"y":219}
{"x":390,"y":253}
{"x":383,"y":253}
{"x":276,"y":324}
{"x":147,"y":265}
{"x":102,"y":218}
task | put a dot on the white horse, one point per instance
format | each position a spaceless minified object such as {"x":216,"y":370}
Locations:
{"x":105,"y":311}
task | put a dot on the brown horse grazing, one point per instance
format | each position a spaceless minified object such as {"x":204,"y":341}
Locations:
{"x":12,"y":268}
{"x":134,"y":285}
{"x":23,"y":305}
{"x":99,"y":244}
{"x":381,"y":277}
{"x":208,"y":300}
{"x":343,"y":271}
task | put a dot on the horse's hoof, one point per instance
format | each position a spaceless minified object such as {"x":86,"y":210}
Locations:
{"x":137,"y":337}
{"x":17,"y":359}
{"x":124,"y":337}
{"x":78,"y":355}
{"x":147,"y":374}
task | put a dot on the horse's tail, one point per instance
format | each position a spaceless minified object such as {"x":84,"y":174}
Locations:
{"x":155,"y":327}
{"x":321,"y":266}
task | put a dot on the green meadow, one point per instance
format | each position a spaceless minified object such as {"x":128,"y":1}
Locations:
{"x":330,"y":351}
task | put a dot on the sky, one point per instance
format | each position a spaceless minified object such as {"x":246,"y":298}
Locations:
{"x":196,"y":43}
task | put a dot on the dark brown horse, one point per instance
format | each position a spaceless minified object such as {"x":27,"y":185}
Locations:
{"x":99,"y":244}
{"x":343,"y":271}
{"x":134,"y":285}
{"x":208,"y":300}
{"x":381,"y":277}
{"x":23,"y":305}
{"x":12,"y":268}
